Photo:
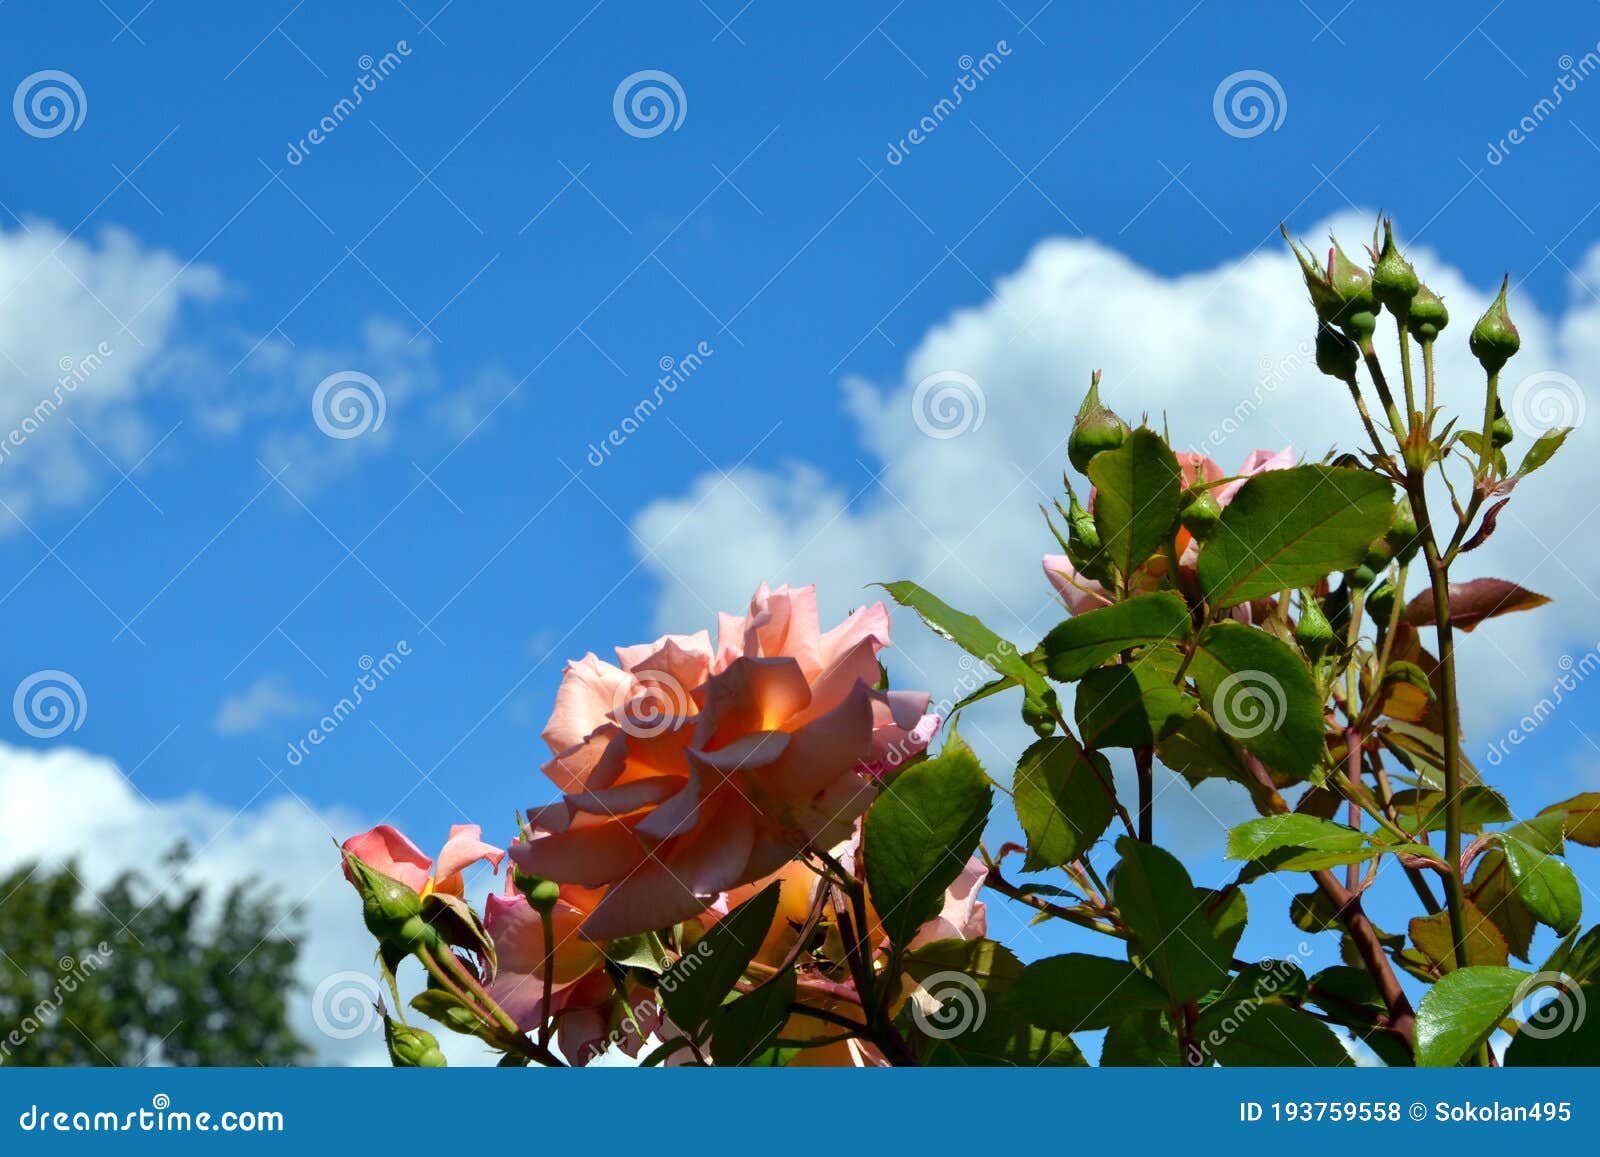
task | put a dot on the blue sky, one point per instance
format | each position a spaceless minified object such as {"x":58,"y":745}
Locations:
{"x":483,"y":238}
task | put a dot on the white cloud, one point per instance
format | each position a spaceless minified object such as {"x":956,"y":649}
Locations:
{"x":82,"y":323}
{"x":64,"y":803}
{"x":1205,"y":352}
{"x":268,"y":698}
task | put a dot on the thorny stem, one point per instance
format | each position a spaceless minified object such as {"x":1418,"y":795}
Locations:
{"x":1439,"y":579}
{"x":1078,"y":915}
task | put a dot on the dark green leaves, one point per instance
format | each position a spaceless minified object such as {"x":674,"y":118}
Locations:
{"x":1135,"y":704}
{"x":1063,"y":800}
{"x":1460,"y":1011}
{"x":1171,"y":939}
{"x":695,"y":986}
{"x":961,"y":1014}
{"x":1085,"y":641}
{"x":1136,"y":498}
{"x":1292,"y":528}
{"x":1078,"y":993}
{"x":1260,"y":692}
{"x":746,"y":1027}
{"x":1543,"y":883}
{"x":920,"y":833}
{"x":1246,"y":1033}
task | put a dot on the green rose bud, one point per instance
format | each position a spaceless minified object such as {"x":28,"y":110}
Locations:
{"x":1313,"y":632}
{"x":1200,"y":511}
{"x":1380,"y":602}
{"x":1427,"y":316}
{"x":1352,"y":285}
{"x":411,"y":1048}
{"x":1501,"y":432}
{"x":1495,"y":339}
{"x":1361,"y":578}
{"x":1097,"y":428}
{"x":541,"y":893}
{"x":1402,"y":534}
{"x":1394,"y":281}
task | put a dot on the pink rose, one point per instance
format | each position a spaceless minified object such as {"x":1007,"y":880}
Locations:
{"x":385,"y":850}
{"x":687,"y":771}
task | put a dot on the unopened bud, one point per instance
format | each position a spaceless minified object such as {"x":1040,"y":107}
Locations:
{"x":1394,"y":281}
{"x":1200,"y":511}
{"x":1313,"y":632}
{"x":1096,"y":428}
{"x":1403,"y":537}
{"x":1495,"y":339}
{"x":1427,"y":315}
{"x":1337,"y":355}
{"x":1501,"y":432}
{"x":541,"y":893}
{"x":411,"y":1048}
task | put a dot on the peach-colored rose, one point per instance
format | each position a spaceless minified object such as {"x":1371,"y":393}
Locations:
{"x":384,"y":849}
{"x":688,"y":770}
{"x":588,"y":1008}
{"x":1083,"y":594}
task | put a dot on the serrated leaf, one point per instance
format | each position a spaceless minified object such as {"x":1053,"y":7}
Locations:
{"x":745,"y":1027}
{"x":1494,"y":893}
{"x":974,"y":1022}
{"x":1136,"y":498}
{"x":1459,"y":1012}
{"x":1062,"y":796}
{"x":694,"y":987}
{"x":1261,"y":694}
{"x":1425,"y":811}
{"x":1485,"y":944}
{"x":1292,"y":528}
{"x":1142,"y":1040}
{"x":1582,"y":822}
{"x":1171,"y":939}
{"x":1256,"y":838}
{"x":1543,"y":449}
{"x":1084,"y":642}
{"x":919,"y":834}
{"x":972,"y":636}
{"x":1545,"y":884}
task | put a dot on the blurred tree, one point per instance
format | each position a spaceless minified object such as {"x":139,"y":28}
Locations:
{"x":141,"y":974}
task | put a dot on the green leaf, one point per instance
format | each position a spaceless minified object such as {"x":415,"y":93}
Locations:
{"x":1227,"y":913}
{"x":1171,"y":940}
{"x":1255,"y":839}
{"x":1577,"y":957}
{"x":1063,"y":799}
{"x":1141,"y":1040}
{"x":746,"y":1026}
{"x":1545,"y":884}
{"x":1543,"y":449}
{"x":1197,"y":750}
{"x":1263,"y":1034}
{"x":697,"y":983}
{"x":1133,"y":704}
{"x":1292,"y":528}
{"x":1136,"y":498}
{"x":1261,"y":694}
{"x":920,"y":833}
{"x":1582,"y":822}
{"x":1083,"y":642}
{"x":974,"y":1023}
{"x":1077,"y":992}
{"x":1458,"y":1013}
{"x":1424,"y":811}
{"x":968,"y":633}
